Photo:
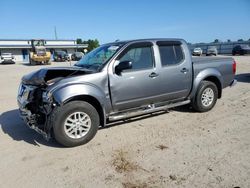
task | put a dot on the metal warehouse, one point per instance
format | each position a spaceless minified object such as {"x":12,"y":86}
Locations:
{"x":20,"y":48}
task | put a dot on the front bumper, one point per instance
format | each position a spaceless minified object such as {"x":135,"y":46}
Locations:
{"x":31,"y":119}
{"x":41,"y":58}
{"x":7,"y":61}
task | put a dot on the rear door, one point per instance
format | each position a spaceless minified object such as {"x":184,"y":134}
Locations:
{"x":176,"y":71}
{"x":137,"y":86}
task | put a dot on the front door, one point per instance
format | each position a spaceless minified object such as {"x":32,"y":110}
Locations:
{"x":137,"y":86}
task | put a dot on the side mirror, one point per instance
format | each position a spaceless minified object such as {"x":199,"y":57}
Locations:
{"x":124,"y":65}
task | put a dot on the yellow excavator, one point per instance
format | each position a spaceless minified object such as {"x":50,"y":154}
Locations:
{"x":38,"y":53}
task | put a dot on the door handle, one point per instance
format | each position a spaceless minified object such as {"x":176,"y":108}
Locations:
{"x":184,"y":70}
{"x":153,"y":75}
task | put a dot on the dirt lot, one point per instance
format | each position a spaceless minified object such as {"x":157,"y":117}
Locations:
{"x":179,"y":148}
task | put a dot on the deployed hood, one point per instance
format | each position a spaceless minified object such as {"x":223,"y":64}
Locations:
{"x":45,"y":76}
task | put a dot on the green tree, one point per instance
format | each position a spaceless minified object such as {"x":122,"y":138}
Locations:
{"x":216,"y":41}
{"x":78,"y":41}
{"x":92,"y":44}
{"x":240,"y":40}
{"x":228,"y":40}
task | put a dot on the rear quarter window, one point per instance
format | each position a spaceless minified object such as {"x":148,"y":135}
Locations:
{"x":171,"y":54}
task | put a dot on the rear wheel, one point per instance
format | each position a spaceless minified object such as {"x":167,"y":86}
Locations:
{"x":206,"y":97}
{"x":75,"y":123}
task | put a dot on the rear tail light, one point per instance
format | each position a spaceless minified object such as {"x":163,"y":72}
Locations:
{"x":234,"y":67}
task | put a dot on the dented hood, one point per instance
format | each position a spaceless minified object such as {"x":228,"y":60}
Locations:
{"x":43,"y":76}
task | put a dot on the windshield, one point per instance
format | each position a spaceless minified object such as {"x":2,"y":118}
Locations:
{"x":212,"y":47}
{"x":245,"y":46}
{"x":38,"y":43}
{"x":98,"y":57}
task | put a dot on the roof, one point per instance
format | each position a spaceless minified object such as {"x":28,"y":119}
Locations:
{"x":11,"y":46}
{"x":37,"y":39}
{"x":146,"y":40}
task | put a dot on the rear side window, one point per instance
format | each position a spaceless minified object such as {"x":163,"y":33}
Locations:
{"x":171,"y":54}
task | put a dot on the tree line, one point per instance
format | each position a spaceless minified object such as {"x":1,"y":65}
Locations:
{"x":228,"y":40}
{"x":92,"y":44}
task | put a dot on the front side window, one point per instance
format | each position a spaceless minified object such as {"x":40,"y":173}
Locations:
{"x":141,"y":57}
{"x":171,"y":54}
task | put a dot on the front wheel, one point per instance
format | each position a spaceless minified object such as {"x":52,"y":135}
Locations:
{"x":75,"y":123}
{"x":32,"y":62}
{"x":48,"y":62}
{"x":206,"y":97}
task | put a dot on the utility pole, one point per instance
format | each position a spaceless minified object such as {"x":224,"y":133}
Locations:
{"x":55,"y":33}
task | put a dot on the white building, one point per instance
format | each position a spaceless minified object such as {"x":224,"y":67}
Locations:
{"x":21,"y":48}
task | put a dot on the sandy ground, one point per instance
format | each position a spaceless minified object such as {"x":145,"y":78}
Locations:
{"x":179,"y":148}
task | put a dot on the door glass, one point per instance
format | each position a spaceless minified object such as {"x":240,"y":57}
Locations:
{"x":171,"y":54}
{"x":141,"y":58}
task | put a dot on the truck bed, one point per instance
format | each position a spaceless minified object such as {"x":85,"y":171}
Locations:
{"x":222,"y":64}
{"x":207,"y":59}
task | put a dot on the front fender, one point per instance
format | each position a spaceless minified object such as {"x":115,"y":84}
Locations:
{"x":209,"y":72}
{"x":63,"y":94}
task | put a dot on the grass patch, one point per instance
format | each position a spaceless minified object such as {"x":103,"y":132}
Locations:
{"x":122,"y":163}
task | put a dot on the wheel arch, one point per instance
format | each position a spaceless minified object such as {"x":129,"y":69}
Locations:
{"x":94,"y":102}
{"x":83,"y":92}
{"x":217,"y":82}
{"x":210,"y":74}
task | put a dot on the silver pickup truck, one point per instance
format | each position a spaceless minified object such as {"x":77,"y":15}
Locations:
{"x":117,"y":81}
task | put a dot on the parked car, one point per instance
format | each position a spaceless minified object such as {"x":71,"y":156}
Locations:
{"x":212,"y":50}
{"x":7,"y":58}
{"x":117,"y":81}
{"x":241,"y":49}
{"x":61,"y":56}
{"x":76,"y":56}
{"x":197,"y":52}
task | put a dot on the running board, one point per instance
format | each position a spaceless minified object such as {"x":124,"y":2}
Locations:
{"x":150,"y":109}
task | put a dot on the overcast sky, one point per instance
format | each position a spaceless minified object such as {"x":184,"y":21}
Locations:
{"x":193,"y":20}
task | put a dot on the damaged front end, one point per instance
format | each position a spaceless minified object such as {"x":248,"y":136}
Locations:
{"x":35,"y":102}
{"x":33,"y":109}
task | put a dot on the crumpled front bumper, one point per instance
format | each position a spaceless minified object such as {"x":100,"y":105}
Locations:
{"x":30,"y":118}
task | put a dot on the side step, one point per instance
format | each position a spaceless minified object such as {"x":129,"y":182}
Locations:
{"x":150,"y":109}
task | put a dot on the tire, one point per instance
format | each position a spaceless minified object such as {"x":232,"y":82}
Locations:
{"x":199,"y":103}
{"x":32,"y":62}
{"x":48,"y":62}
{"x":60,"y":116}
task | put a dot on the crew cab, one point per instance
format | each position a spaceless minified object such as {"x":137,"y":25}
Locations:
{"x":117,"y":81}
